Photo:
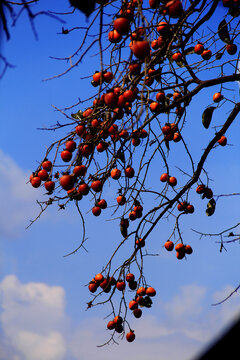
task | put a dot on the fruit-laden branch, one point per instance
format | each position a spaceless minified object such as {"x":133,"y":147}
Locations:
{"x":197,"y":173}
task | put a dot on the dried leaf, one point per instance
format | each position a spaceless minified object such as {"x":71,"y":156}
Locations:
{"x":87,"y":7}
{"x":189,"y":50}
{"x":210,"y":211}
{"x":223,"y":31}
{"x":207,"y":116}
{"x":211,"y":205}
{"x":219,"y":56}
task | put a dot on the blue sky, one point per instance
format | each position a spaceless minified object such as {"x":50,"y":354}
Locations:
{"x":42,"y":294}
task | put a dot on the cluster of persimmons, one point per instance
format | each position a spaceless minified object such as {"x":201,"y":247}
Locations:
{"x":110,"y":126}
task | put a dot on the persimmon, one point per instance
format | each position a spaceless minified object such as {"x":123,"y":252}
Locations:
{"x":43,"y":174}
{"x":176,"y":95}
{"x":166,"y":129}
{"x":97,"y":77}
{"x":154,"y":44}
{"x":130,"y":277}
{"x":35,"y":181}
{"x":93,"y":287}
{"x":200,"y":189}
{"x":99,"y":277}
{"x":129,"y":172}
{"x":231,"y":49}
{"x":179,"y":110}
{"x":80,"y":170}
{"x":80,"y":129}
{"x":149,"y":80}
{"x":188,"y":249}
{"x":111,"y":325}
{"x":104,"y":284}
{"x":174,"y":8}
{"x":154,"y":4}
{"x":137,"y":313}
{"x":182,"y":206}
{"x":222,"y":141}
{"x":132,"y":215}
{"x":161,"y":41}
{"x":108,"y":76}
{"x":115,"y":174}
{"x":96,"y":210}
{"x":119,"y":328}
{"x":121,"y":200}
{"x":96,"y":185}
{"x":111,"y":99}
{"x":135,"y":142}
{"x":134,"y":68}
{"x":169,"y":245}
{"x":138,"y":208}
{"x":155,"y":107}
{"x":113,"y":129}
{"x":118,"y":319}
{"x":88,"y":112}
{"x":95,"y":123}
{"x":162,"y":27}
{"x":102,"y":204}
{"x":132,"y":285}
{"x":150,"y":291}
{"x":177,"y":56}
{"x":164,"y":177}
{"x":198,"y":49}
{"x":124,"y":134}
{"x":129,"y":96}
{"x":67,"y":182}
{"x":143,"y":134}
{"x":120,"y":285}
{"x":49,"y":185}
{"x":141,"y":49}
{"x":206,"y":54}
{"x":66,"y":155}
{"x":190,"y":209}
{"x":217,"y":97}
{"x":70,"y":145}
{"x":121,"y":24}
{"x":101,"y":146}
{"x":180,"y":248}
{"x":47,"y":165}
{"x":86,"y":150}
{"x":83,"y":189}
{"x":169,"y":136}
{"x":141,"y":291}
{"x":114,"y":36}
{"x":160,"y":96}
{"x":176,"y":137}
{"x":140,"y":300}
{"x":180,"y":255}
{"x":172,"y":181}
{"x":133,"y":305}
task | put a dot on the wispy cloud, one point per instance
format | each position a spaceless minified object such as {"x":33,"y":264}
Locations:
{"x":17,"y":199}
{"x":35,"y":325}
{"x":32,"y":319}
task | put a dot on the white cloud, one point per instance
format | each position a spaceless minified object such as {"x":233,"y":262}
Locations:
{"x":187,"y":303}
{"x":38,"y":347}
{"x":35,"y":326}
{"x":32,"y":319}
{"x":17,"y":199}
